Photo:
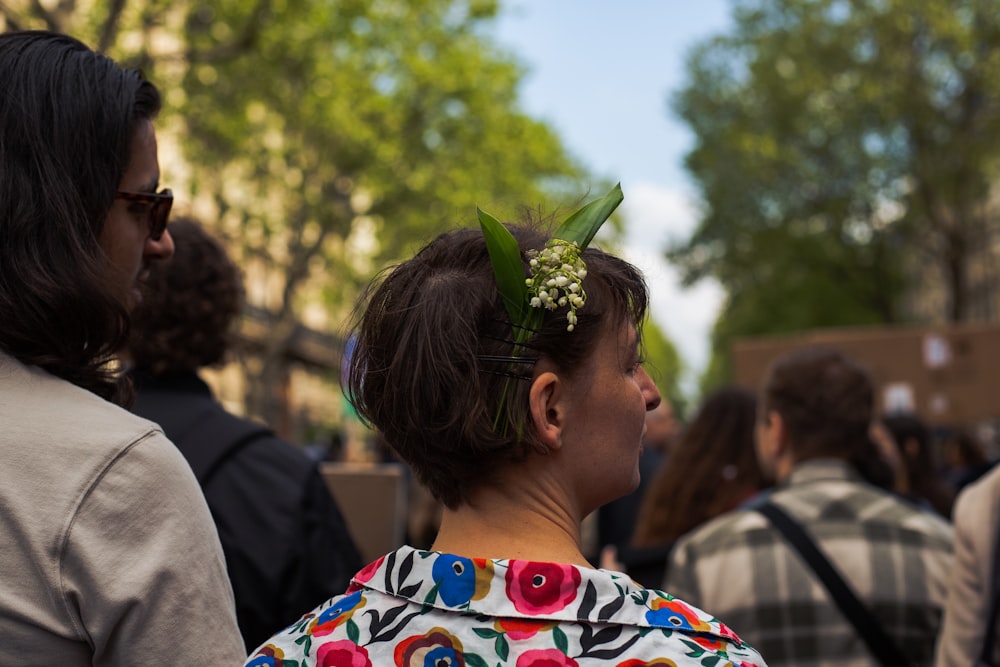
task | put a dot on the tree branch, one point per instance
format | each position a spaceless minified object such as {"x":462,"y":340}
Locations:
{"x":109,"y":28}
{"x":50,"y":20}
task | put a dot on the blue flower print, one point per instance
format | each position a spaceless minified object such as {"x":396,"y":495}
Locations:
{"x":456,"y":579}
{"x":675,"y":614}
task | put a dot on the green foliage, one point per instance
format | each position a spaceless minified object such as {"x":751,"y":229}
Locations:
{"x":327,"y":138}
{"x":664,"y":365}
{"x":844,"y":148}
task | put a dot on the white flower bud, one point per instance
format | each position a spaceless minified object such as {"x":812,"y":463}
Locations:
{"x":574,"y":287}
{"x":536,"y":302}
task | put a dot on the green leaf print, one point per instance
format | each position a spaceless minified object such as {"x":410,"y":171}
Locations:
{"x":432,"y":595}
{"x":474,"y":660}
{"x":502,"y":649}
{"x":559,"y":637}
{"x":486,"y":633}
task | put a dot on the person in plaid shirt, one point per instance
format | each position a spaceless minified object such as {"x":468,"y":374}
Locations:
{"x":814,"y":416}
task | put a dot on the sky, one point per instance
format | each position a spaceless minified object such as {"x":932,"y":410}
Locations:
{"x":601,"y":74}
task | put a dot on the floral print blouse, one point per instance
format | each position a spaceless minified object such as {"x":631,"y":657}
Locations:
{"x":415,"y":608}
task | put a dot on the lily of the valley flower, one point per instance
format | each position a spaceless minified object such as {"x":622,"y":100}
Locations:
{"x":557,"y":273}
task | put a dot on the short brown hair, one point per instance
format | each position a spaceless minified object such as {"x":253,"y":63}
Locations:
{"x":825,"y":401}
{"x":418,"y":374}
{"x":185,"y":320}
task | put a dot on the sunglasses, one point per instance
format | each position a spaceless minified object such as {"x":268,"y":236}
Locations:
{"x":159,"y":208}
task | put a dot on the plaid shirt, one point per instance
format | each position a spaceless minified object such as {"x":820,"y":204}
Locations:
{"x":895,"y":557}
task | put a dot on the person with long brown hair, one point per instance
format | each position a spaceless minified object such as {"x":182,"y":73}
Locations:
{"x":711,"y":470}
{"x":110,"y":556}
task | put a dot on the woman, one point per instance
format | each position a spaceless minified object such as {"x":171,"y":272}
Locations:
{"x":712,"y":469}
{"x":109,"y":556}
{"x":522,"y":409}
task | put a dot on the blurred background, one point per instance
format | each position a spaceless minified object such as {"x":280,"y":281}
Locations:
{"x":794,"y":170}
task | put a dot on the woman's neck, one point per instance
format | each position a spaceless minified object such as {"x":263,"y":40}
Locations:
{"x":512,"y":522}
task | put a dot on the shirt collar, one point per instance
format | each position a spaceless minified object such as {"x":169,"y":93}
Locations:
{"x":520,"y":589}
{"x":815,"y":470}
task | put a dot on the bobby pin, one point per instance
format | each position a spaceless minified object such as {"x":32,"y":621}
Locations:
{"x":506,"y":360}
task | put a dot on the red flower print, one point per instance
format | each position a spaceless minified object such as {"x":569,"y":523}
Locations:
{"x":549,"y":657}
{"x":437,"y":647}
{"x":655,"y":662}
{"x":343,"y":653}
{"x":727,"y":632}
{"x":713,"y":643}
{"x":540,"y":588}
{"x":368,"y":571}
{"x":521,"y":628}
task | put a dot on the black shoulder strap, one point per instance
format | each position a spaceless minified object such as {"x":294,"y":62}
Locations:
{"x":990,"y":638}
{"x":219,"y":437}
{"x":881,"y":645}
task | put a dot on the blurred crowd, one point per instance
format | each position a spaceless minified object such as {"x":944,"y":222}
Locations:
{"x":553,"y":512}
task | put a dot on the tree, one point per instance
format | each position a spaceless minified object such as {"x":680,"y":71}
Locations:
{"x":664,"y":365}
{"x":326,"y":138}
{"x":843,"y":149}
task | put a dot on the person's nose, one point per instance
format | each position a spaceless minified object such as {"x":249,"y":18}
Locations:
{"x":161,"y":248}
{"x":649,"y":391}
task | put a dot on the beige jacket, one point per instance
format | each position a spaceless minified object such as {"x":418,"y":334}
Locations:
{"x":976,"y":515}
{"x":108,"y":554}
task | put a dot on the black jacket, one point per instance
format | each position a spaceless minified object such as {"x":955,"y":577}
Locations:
{"x":286,"y":544}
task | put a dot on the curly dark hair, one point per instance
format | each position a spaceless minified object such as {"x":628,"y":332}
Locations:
{"x":711,"y":470}
{"x":416,"y":372}
{"x":191,"y":301}
{"x":68,"y":116}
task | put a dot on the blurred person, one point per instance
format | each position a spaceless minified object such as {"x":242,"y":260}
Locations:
{"x":964,"y":460}
{"x":907,"y":444}
{"x":750,"y":566}
{"x":616,"y":520}
{"x":286,"y":544}
{"x":522,"y":409}
{"x":713,"y":469}
{"x":973,"y":595}
{"x":109,"y":554}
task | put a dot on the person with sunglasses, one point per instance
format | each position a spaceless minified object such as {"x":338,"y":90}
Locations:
{"x":108,"y":553}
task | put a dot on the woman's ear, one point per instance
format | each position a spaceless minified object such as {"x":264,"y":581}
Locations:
{"x":546,"y":409}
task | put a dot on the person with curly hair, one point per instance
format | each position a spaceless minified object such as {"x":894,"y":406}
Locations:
{"x":109,"y":556}
{"x":287,"y":549}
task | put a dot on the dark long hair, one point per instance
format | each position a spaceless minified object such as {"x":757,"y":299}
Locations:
{"x":712,"y":469}
{"x":921,"y":473}
{"x":68,"y":116}
{"x":417,"y":374}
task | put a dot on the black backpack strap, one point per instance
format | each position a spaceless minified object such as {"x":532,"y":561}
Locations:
{"x":879,"y":643}
{"x":990,"y":638}
{"x":220,"y":436}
